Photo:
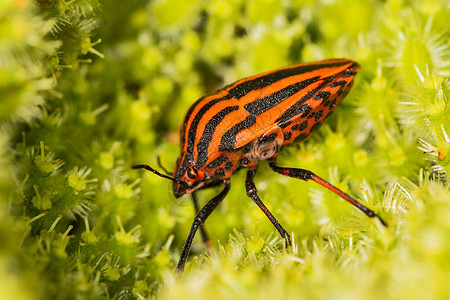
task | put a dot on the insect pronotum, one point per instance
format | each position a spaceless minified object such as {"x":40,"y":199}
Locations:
{"x":252,"y":120}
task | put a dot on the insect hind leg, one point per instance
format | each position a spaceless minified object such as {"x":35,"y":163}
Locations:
{"x":253,"y":194}
{"x":308,"y":175}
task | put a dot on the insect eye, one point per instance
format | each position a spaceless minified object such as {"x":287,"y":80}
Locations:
{"x":191,"y":173}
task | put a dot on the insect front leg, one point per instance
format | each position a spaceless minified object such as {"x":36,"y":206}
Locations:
{"x":253,"y":194}
{"x":201,"y":217}
{"x":205,"y":237}
{"x":308,"y":175}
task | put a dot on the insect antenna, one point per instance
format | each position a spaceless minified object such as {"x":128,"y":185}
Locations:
{"x":162,"y":167}
{"x":148,"y":168}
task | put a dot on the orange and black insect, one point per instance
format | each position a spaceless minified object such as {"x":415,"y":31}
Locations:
{"x":252,"y":120}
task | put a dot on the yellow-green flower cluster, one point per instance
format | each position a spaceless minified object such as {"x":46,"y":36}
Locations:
{"x":89,"y":88}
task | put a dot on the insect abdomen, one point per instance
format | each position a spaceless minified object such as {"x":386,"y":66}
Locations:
{"x":292,"y":98}
{"x":298,"y":113}
{"x":313,"y":112}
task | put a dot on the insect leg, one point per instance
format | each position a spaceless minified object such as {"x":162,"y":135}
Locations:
{"x":201,"y":217}
{"x":253,"y":194}
{"x":203,"y":232}
{"x":308,"y":175}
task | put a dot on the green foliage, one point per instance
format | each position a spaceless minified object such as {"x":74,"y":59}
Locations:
{"x":89,"y":88}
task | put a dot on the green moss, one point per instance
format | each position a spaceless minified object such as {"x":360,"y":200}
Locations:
{"x":88,"y":89}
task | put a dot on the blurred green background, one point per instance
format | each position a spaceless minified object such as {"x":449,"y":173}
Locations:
{"x":88,"y":88}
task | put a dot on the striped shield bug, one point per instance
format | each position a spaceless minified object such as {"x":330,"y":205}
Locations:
{"x":252,"y":120}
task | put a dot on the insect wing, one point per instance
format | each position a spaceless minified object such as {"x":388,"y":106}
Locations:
{"x":282,"y":97}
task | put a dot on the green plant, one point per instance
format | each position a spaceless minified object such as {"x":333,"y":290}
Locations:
{"x":89,"y":88}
